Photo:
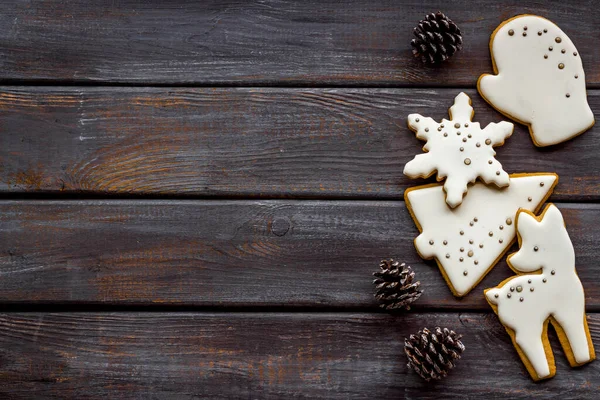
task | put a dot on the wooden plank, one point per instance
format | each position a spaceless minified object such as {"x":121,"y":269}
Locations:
{"x":311,"y":42}
{"x":267,"y":356}
{"x":232,"y":253}
{"x":332,"y":143}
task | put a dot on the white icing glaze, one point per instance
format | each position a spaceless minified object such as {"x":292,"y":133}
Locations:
{"x":459,"y":150}
{"x":485,"y":210}
{"x":530,"y":87}
{"x":557,"y":291}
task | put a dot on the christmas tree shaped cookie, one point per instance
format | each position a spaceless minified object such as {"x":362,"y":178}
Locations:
{"x":551,"y":293}
{"x":459,"y":150}
{"x":539,"y":79}
{"x":469,"y":240}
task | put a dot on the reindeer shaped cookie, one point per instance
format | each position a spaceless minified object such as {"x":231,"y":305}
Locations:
{"x":553,"y":294}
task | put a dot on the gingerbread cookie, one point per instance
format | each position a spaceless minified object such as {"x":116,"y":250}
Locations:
{"x":553,"y":294}
{"x":459,"y":150}
{"x":539,"y":80}
{"x":469,"y":240}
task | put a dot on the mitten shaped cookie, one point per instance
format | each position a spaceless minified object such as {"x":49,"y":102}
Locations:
{"x":539,"y":80}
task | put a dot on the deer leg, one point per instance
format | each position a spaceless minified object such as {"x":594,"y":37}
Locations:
{"x":530,"y":342}
{"x":572,"y":323}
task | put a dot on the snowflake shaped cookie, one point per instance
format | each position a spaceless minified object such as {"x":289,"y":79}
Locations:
{"x":459,"y":150}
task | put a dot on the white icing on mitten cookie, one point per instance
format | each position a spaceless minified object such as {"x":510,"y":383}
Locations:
{"x":527,"y":303}
{"x":467,"y":241}
{"x":539,"y":79}
{"x":459,"y":150}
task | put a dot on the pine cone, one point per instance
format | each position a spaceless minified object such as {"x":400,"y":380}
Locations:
{"x":437,"y":38}
{"x":433,"y":354}
{"x":394,"y":285}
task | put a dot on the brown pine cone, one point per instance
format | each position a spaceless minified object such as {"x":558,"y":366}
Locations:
{"x":437,"y":39}
{"x":394,"y":285}
{"x":433,"y":354}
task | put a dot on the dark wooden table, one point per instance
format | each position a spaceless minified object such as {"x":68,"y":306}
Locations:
{"x":196,"y":193}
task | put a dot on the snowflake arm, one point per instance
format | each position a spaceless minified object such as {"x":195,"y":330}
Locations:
{"x":418,"y":123}
{"x":461,"y":110}
{"x":459,"y":150}
{"x":422,"y":166}
{"x":498,"y":132}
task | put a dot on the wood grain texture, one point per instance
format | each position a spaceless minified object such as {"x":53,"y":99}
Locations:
{"x":232,"y":253}
{"x":315,"y":143}
{"x":267,"y":42}
{"x":273,"y":356}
